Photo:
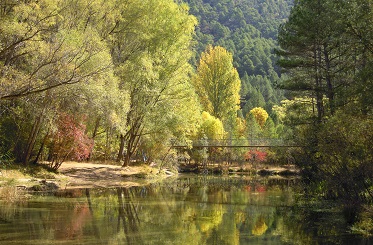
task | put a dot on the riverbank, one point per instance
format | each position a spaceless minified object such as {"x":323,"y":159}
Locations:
{"x":95,"y":175}
{"x":80,"y":175}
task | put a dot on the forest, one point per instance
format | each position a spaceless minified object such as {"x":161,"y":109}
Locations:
{"x":108,"y":80}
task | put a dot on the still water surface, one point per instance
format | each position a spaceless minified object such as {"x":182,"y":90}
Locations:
{"x":187,"y":210}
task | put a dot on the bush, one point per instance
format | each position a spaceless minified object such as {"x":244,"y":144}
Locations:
{"x":340,"y":156}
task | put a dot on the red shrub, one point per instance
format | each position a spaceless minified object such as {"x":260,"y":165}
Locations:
{"x":255,"y":155}
{"x":69,"y":141}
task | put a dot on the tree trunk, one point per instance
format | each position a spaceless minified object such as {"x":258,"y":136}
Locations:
{"x":32,"y":138}
{"x":329,"y":84}
{"x":41,"y":148}
{"x":121,"y":148}
{"x":97,"y":124}
{"x":132,"y":143}
{"x":318,"y":84}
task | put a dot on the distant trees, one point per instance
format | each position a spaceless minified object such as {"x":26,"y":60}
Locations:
{"x":248,"y":30}
{"x":260,"y":115}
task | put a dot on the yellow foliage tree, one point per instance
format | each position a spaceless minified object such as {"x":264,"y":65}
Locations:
{"x":217,"y":82}
{"x":211,"y":127}
{"x":241,"y":126}
{"x":260,"y":227}
{"x":260,"y":115}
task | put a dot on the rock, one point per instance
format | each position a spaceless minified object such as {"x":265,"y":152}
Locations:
{"x":44,"y":186}
{"x":265,"y":172}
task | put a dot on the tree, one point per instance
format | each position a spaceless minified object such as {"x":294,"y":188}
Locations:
{"x":260,"y":116}
{"x":47,"y":50}
{"x":211,"y":127}
{"x":253,"y":129}
{"x":40,"y":50}
{"x":151,"y":51}
{"x":357,"y":20}
{"x":327,"y":54}
{"x":317,"y":54}
{"x":217,"y":82}
{"x":269,"y":129}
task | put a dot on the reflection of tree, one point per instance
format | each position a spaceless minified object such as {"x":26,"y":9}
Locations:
{"x":71,"y":225}
{"x":203,"y":210}
{"x":11,"y":198}
{"x":260,"y":227}
{"x":94,"y":223}
{"x":309,"y":221}
{"x":127,"y":214}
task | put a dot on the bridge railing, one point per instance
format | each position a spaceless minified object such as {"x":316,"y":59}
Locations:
{"x":254,"y":142}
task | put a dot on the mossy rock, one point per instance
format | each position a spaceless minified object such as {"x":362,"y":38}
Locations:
{"x":44,"y":186}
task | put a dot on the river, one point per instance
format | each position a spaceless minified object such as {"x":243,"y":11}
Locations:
{"x":189,"y":209}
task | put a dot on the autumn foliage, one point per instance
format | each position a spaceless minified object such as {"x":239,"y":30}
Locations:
{"x":260,"y":116}
{"x":256,"y":155}
{"x":69,"y":141}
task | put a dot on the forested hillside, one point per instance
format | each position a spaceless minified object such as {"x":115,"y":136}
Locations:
{"x":248,"y":29}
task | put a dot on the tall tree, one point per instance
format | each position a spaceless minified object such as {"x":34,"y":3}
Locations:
{"x":317,"y":54}
{"x":248,"y":30}
{"x":151,"y":50}
{"x":327,"y":53}
{"x":217,"y":83}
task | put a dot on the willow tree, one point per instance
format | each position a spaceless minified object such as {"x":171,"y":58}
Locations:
{"x":49,"y":51}
{"x":217,"y":83}
{"x":151,"y":50}
{"x":42,"y":48}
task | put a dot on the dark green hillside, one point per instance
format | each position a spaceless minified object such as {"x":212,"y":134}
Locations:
{"x":248,"y":29}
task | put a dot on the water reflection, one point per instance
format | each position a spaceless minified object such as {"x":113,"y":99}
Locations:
{"x":127,"y":216}
{"x":188,"y":210}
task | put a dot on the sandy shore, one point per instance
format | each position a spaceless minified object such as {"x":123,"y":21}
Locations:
{"x":83,"y":175}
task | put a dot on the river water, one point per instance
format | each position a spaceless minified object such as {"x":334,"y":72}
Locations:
{"x":186,"y":210}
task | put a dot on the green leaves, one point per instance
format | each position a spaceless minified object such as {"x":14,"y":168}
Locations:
{"x":151,"y":51}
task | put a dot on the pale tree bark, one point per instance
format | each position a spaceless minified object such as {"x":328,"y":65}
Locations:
{"x":33,"y":136}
